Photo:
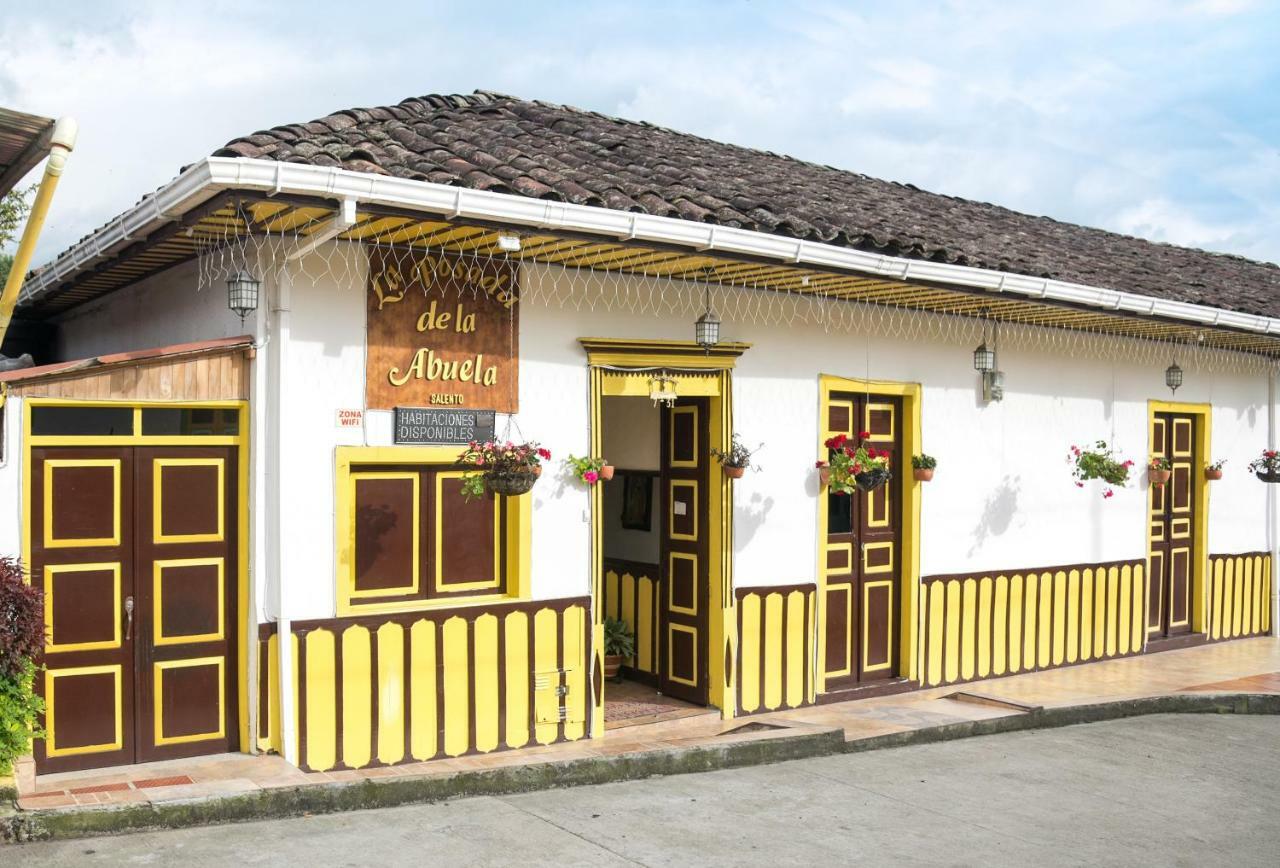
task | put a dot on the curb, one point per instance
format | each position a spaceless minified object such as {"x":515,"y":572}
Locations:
{"x":24,"y":826}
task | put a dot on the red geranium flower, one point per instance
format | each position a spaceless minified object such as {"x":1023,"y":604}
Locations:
{"x":544,"y":454}
{"x":863,"y":435}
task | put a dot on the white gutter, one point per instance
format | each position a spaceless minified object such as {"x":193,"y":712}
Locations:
{"x":212,"y":175}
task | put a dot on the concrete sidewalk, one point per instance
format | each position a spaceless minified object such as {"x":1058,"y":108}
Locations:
{"x":1240,"y":676}
{"x":1163,"y":790}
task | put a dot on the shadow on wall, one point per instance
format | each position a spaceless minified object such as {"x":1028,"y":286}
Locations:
{"x":997,"y":512}
{"x":749,"y":518}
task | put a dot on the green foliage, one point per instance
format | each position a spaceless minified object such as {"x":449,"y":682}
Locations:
{"x":586,"y":469}
{"x":20,"y":710}
{"x":737,"y":455}
{"x":6,"y":264}
{"x":14,"y":208}
{"x":1100,"y":462}
{"x":618,"y":640}
{"x":923,"y":462}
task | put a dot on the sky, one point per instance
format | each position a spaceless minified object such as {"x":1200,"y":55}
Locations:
{"x":1157,"y":118}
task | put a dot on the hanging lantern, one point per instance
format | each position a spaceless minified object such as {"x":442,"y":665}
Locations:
{"x":242,"y":293}
{"x":1173,"y":377}
{"x":706,"y":331}
{"x":984,"y":360}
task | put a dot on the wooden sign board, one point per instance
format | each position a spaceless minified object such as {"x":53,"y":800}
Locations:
{"x":443,"y":331}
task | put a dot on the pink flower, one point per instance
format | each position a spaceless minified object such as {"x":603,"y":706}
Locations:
{"x":820,"y":464}
{"x":479,"y":460}
{"x":590,"y":477}
{"x":1079,"y":485}
{"x":1108,"y":493}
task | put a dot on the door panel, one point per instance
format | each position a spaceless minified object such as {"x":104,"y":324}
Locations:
{"x":82,"y":557}
{"x":862,"y":552}
{"x":186,"y":548}
{"x":685,"y":593}
{"x":1172,"y":519}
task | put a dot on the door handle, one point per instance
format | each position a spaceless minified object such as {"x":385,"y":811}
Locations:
{"x":128,"y":611}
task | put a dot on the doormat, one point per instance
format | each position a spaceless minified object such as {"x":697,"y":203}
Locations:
{"x":626,"y":709}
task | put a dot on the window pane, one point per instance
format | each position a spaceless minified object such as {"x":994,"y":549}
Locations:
{"x":190,"y":421}
{"x":386,"y":531}
{"x":81,"y":421}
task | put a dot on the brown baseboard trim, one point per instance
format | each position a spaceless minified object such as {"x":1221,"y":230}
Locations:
{"x":1173,"y":643}
{"x":888,"y":687}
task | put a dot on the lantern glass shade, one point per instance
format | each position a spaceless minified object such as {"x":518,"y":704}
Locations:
{"x":706,"y":331}
{"x":242,"y":293}
{"x":1173,"y":377}
{"x":984,"y":360}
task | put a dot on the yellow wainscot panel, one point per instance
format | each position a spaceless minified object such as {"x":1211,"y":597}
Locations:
{"x":485,"y":667}
{"x":952,"y":661}
{"x":425,"y":726}
{"x":937,"y":631}
{"x":1059,"y":617}
{"x":795,"y":649}
{"x":1073,"y":616}
{"x":1017,"y":594}
{"x":457,"y":693}
{"x":644,"y":628}
{"x":984,"y":626}
{"x":516,"y":626}
{"x":357,"y":695}
{"x":1086,"y":614}
{"x":772,"y":651}
{"x":391,"y":711}
{"x":749,"y":650}
{"x":575,"y":672}
{"x":1123,"y":620}
{"x":547,"y":676}
{"x":1000,"y":640}
{"x":969,"y":611}
{"x":321,"y":711}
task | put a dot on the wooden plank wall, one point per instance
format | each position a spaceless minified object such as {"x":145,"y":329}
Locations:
{"x":1239,"y":596}
{"x":220,"y":377}
{"x":383,"y":690}
{"x":775,"y":647}
{"x":630,"y":594}
{"x":991,"y":624}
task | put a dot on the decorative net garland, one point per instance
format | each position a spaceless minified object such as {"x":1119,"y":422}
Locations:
{"x":739,"y":298}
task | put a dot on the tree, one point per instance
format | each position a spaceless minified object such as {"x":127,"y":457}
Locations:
{"x":14,"y":207}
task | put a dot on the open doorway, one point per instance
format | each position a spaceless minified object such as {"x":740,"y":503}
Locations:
{"x":654,"y":554}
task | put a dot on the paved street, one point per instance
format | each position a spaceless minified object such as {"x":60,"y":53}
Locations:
{"x":1164,"y":790}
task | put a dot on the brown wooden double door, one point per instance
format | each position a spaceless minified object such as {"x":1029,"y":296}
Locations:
{"x":1173,"y":517}
{"x":684,"y":594}
{"x":862,"y":551}
{"x":135,"y":549}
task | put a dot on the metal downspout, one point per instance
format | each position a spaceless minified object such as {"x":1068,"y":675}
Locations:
{"x":60,"y":145}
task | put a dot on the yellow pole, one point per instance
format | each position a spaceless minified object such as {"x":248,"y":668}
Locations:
{"x":60,"y":145}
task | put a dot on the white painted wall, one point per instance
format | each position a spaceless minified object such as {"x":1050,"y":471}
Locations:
{"x":1002,"y":497}
{"x":11,"y":478}
{"x":169,"y":308}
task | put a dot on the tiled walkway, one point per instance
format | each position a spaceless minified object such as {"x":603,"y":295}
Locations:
{"x":1248,"y":665}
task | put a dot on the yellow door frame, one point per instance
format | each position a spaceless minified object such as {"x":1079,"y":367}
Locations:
{"x":1200,"y":494}
{"x":621,"y":367}
{"x":241,"y":443}
{"x":909,"y":492}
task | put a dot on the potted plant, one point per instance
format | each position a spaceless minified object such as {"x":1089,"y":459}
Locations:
{"x":1098,"y":462}
{"x":588,"y":470}
{"x":504,"y":468}
{"x":619,"y":644}
{"x":1214,"y":469}
{"x":1266,"y":466}
{"x":922,"y":467}
{"x":853,"y":467}
{"x":736,"y":459}
{"x":1159,"y":470}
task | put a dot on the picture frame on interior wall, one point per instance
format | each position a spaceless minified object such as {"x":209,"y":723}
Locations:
{"x":637,"y":501}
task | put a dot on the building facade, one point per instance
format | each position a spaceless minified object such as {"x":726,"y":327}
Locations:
{"x":253,"y":538}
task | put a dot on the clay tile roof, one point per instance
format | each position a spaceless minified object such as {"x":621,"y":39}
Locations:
{"x":490,"y":141}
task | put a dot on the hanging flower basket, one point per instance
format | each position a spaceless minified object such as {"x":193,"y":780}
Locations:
{"x":1098,"y":462}
{"x":588,"y":470}
{"x":853,"y":467}
{"x":1266,"y":466}
{"x":922,"y":467}
{"x":509,"y":469}
{"x":922,"y":474}
{"x":510,"y":482}
{"x":870,"y":480}
{"x":1159,"y":477}
{"x":733,"y":472}
{"x":735,"y":460}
